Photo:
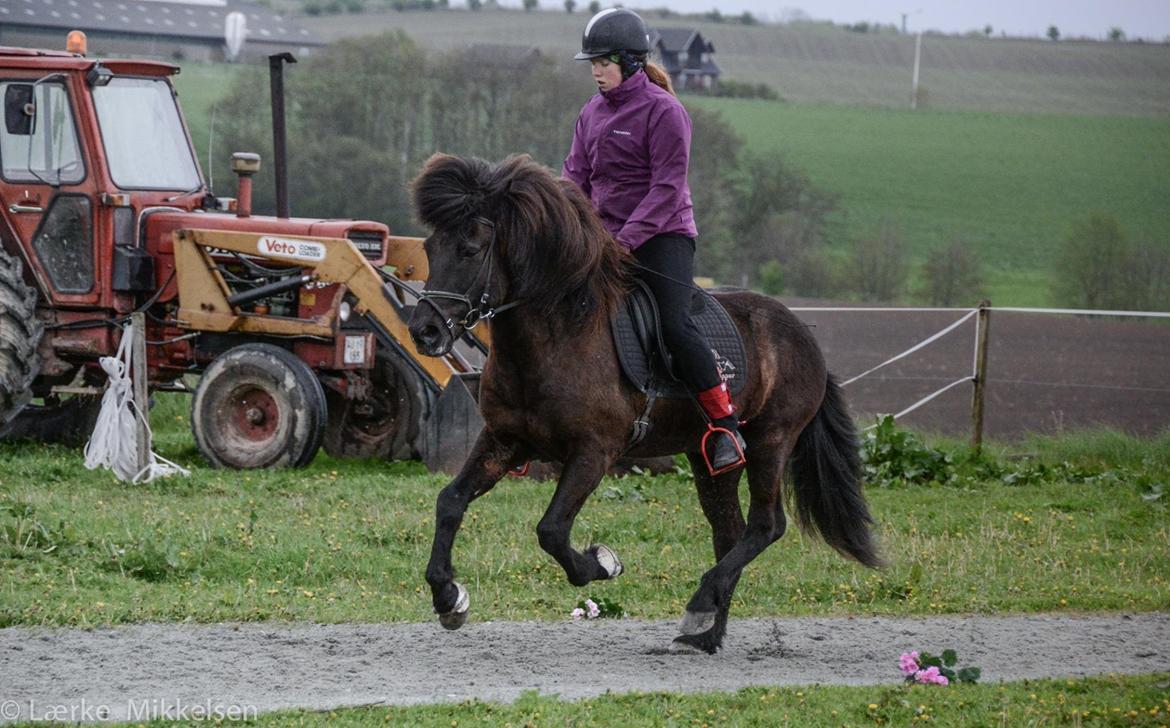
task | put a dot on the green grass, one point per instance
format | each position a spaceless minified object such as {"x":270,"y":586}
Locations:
{"x":1103,"y":701}
{"x":1010,"y":185}
{"x":348,"y":541}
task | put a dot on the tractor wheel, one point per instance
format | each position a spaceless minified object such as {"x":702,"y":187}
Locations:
{"x":20,"y":334}
{"x":388,"y":423}
{"x":64,"y":421}
{"x":258,"y":406}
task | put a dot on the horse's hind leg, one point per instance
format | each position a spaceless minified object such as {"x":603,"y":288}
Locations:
{"x":705,"y":622}
{"x":579,"y":479}
{"x":719,"y":498}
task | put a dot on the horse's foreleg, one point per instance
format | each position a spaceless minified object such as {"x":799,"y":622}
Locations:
{"x":490,"y":460}
{"x":579,"y":478}
{"x":705,"y":621}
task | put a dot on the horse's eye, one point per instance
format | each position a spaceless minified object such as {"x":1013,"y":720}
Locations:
{"x":469,"y":248}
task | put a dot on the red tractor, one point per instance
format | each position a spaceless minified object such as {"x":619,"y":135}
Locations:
{"x":290,"y":322}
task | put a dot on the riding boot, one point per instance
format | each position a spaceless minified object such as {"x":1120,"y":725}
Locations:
{"x":727,"y":448}
{"x":722,"y":446}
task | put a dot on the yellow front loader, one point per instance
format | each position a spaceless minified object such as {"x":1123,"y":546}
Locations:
{"x":344,"y":333}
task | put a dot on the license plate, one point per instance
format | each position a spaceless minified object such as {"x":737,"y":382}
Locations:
{"x":355,"y":350}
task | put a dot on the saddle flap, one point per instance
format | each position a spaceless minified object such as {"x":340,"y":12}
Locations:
{"x":644,"y":358}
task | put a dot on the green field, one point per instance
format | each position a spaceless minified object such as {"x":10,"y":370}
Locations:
{"x":344,"y":541}
{"x":1009,"y":185}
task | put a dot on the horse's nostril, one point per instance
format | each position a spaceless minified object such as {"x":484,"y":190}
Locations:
{"x":427,"y":336}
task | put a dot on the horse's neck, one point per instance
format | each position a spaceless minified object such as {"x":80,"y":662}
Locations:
{"x":527,"y":337}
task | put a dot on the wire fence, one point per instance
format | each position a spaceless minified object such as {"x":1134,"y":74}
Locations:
{"x":1025,"y":359}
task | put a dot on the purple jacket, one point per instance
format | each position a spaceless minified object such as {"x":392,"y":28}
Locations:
{"x":630,"y":152}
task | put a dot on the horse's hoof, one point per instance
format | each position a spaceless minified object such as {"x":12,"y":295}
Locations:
{"x":608,"y":560}
{"x":679,"y":647}
{"x":696,"y":622}
{"x":458,"y":615}
{"x":693,"y":644}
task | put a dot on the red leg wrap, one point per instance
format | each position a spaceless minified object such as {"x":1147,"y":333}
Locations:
{"x":716,"y":402}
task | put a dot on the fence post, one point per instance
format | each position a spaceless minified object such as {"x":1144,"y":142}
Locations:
{"x":139,"y":387}
{"x":982,"y":321}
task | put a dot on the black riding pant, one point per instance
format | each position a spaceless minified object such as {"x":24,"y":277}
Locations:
{"x":668,"y":262}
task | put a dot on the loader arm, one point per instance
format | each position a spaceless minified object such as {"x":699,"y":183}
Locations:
{"x":204,"y":295}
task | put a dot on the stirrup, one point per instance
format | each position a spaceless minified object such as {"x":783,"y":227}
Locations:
{"x":711,"y":430}
{"x":520,"y":470}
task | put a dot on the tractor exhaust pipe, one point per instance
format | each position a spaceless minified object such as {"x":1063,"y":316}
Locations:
{"x":279,"y":149}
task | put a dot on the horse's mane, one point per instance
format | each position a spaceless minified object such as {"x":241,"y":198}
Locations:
{"x":557,"y":254}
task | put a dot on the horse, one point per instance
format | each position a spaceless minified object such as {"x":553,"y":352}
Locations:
{"x":513,"y":243}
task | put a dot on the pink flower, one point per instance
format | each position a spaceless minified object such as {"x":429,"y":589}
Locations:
{"x":577,"y":614}
{"x":594,"y":610}
{"x":908,"y":662}
{"x":930,"y":676}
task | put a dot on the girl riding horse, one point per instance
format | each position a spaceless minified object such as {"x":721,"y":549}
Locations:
{"x":630,"y":151}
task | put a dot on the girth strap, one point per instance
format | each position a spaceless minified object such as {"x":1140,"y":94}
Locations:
{"x":642,"y":424}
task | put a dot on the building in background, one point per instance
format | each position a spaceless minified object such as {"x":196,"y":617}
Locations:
{"x":686,"y":56}
{"x":173,"y":31}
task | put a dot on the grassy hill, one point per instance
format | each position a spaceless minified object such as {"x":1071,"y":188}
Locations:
{"x":809,"y":63}
{"x":1009,"y":185}
{"x":1004,"y":178}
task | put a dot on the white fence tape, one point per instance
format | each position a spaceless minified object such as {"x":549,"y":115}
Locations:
{"x":1081,"y":312}
{"x":925,"y":342}
{"x":969,"y":313}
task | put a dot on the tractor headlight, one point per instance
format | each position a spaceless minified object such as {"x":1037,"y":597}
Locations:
{"x":344,"y":311}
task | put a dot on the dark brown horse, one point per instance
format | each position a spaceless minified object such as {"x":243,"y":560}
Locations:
{"x":513,"y":240}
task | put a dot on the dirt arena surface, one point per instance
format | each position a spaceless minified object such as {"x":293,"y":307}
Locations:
{"x":126,"y":670}
{"x":1047,"y":373}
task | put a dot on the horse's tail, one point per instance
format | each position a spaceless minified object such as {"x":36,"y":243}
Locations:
{"x":825,"y":473}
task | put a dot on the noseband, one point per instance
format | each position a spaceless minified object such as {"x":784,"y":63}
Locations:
{"x":484,"y":311}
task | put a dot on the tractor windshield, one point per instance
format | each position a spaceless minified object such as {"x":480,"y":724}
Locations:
{"x":146,"y":146}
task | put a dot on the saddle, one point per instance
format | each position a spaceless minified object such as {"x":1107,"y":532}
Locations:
{"x":646,"y":362}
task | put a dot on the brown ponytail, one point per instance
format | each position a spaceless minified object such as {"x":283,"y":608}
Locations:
{"x":659,"y":77}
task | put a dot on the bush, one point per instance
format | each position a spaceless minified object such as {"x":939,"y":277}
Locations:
{"x":1101,"y":268}
{"x":877,"y":266}
{"x":739,"y":90}
{"x":772,"y":278}
{"x":951,"y":275}
{"x":813,"y":274}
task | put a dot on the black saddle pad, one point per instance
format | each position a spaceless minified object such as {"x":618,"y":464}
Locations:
{"x":638,"y":340}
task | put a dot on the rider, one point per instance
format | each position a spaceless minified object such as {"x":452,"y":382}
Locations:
{"x":631,"y":146}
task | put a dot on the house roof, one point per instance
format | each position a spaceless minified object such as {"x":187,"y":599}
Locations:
{"x":677,"y":40}
{"x":151,"y":17}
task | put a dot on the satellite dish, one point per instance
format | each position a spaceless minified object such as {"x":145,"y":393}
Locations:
{"x":234,"y":31}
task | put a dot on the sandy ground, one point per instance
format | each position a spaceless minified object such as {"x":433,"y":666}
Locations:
{"x":153,"y":670}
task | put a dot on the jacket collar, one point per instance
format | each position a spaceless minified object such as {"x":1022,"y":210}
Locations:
{"x":628,"y":89}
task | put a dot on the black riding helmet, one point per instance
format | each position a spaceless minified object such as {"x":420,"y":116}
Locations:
{"x":613,"y":30}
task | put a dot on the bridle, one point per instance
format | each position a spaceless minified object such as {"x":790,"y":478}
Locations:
{"x":483,"y":311}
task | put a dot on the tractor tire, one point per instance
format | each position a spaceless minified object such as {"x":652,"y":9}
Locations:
{"x":67,"y":422}
{"x":258,"y":406}
{"x":387,"y":424}
{"x":20,"y":334}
